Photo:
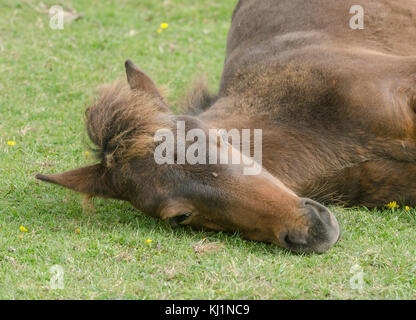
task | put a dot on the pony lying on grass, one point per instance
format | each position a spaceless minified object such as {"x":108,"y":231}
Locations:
{"x":335,"y":105}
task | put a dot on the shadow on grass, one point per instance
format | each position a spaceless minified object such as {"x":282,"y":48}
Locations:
{"x":66,"y":206}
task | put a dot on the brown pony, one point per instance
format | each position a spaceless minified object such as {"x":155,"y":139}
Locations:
{"x":337,"y":111}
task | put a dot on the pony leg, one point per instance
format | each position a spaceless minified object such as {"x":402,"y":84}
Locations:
{"x":377,"y":183}
{"x":383,"y":181}
{"x":371,"y":184}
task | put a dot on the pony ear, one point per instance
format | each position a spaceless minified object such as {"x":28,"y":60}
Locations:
{"x":139,"y":80}
{"x":91,"y":180}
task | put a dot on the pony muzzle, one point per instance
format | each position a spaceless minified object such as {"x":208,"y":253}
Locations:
{"x":322,"y":231}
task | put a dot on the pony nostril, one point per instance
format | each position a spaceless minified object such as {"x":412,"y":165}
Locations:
{"x":322,"y":230}
{"x":287,"y":240}
{"x":291,"y":241}
{"x":284,"y":240}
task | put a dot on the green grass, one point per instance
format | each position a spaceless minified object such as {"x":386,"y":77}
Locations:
{"x":47,"y":77}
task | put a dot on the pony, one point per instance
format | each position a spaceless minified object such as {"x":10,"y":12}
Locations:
{"x":336,"y":107}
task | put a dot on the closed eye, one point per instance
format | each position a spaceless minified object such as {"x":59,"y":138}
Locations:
{"x":174,"y":221}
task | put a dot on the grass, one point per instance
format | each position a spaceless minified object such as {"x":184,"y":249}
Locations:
{"x":48,"y":76}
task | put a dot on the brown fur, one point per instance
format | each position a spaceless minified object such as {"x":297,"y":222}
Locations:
{"x":329,"y":99}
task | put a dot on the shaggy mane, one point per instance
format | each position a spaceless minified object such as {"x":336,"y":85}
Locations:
{"x":198,"y":98}
{"x":122,"y":123}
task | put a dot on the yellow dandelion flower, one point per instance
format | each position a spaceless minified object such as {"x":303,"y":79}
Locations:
{"x":77,"y":231}
{"x":87,"y":154}
{"x":164,"y":25}
{"x":148,"y":241}
{"x":407,"y":208}
{"x":159,"y":30}
{"x":11,"y":143}
{"x":22,"y":229}
{"x":392,"y":205}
